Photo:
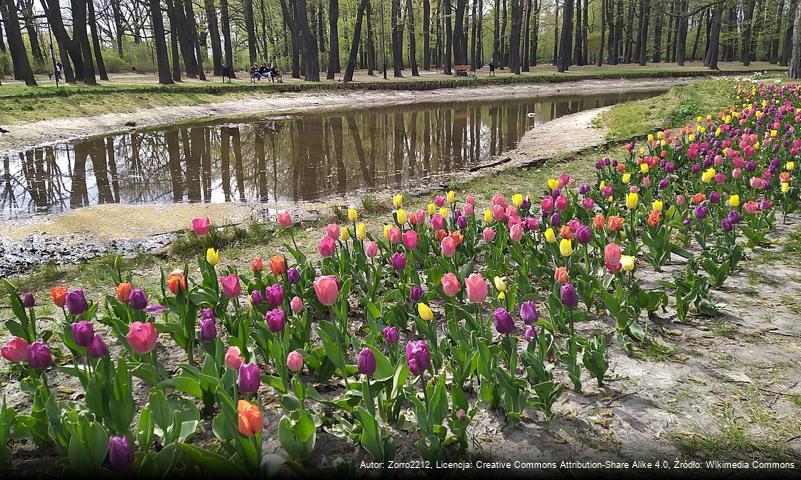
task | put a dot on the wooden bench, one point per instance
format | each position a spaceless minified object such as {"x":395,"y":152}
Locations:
{"x":461,"y":70}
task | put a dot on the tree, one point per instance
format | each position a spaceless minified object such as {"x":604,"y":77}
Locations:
{"x":311,"y":64}
{"x":156,"y":22}
{"x":19,"y":57}
{"x":101,"y":66}
{"x":214,"y":37}
{"x":397,"y":39}
{"x":795,"y":57}
{"x":426,"y":35}
{"x":226,"y":32}
{"x":565,"y":47}
{"x":514,"y":37}
{"x":642,"y":37}
{"x":333,"y":42}
{"x":354,"y":48}
{"x":787,"y":47}
{"x":711,"y":57}
{"x":79,"y":31}
{"x":68,"y":54}
{"x":412,"y":40}
{"x":748,"y":21}
{"x":250,"y":27}
{"x":459,"y":47}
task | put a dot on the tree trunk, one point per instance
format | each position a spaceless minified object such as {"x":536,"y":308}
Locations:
{"x":101,"y":66}
{"x":311,"y":63}
{"x":214,"y":34}
{"x":642,"y":41}
{"x":225,"y":23}
{"x":19,"y":57}
{"x":448,"y":50}
{"x":65,"y":44}
{"x":426,"y":35}
{"x":747,"y":26}
{"x":526,"y":55}
{"x":119,"y":29}
{"x":514,"y":37}
{"x":82,"y":38}
{"x":250,"y":28}
{"x":30,"y":27}
{"x":195,"y":41}
{"x":555,"y":58}
{"x":459,"y":47}
{"x":787,"y":47}
{"x":600,"y":60}
{"x":658,"y":21}
{"x":354,"y":47}
{"x":371,"y":55}
{"x":412,"y":39}
{"x":535,"y":34}
{"x":175,"y":11}
{"x":504,"y":51}
{"x":776,"y":35}
{"x":496,"y":39}
{"x":703,"y":16}
{"x":174,"y":47}
{"x":397,"y":39}
{"x":289,"y":21}
{"x":681,"y":33}
{"x":156,"y":21}
{"x":795,"y":57}
{"x":565,"y":47}
{"x":711,"y":59}
{"x":333,"y":42}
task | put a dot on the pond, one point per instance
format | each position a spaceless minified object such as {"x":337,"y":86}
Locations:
{"x":298,"y":157}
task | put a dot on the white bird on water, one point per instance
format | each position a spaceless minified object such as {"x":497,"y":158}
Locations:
{"x":531,"y":115}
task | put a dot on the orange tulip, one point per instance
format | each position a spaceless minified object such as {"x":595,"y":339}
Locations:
{"x":654,"y":218}
{"x":598,"y":221}
{"x":59,"y":294}
{"x":457,"y":237}
{"x":278,"y":264}
{"x":614,"y":223}
{"x":560,"y":275}
{"x":564,"y":232}
{"x":251,"y":420}
{"x":440,"y":234}
{"x":698,"y":198}
{"x":176,"y":282}
{"x":257,"y":265}
{"x":123,"y":292}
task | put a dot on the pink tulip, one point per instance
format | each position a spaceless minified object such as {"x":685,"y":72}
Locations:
{"x":394,"y":235}
{"x":561,"y":203}
{"x":230,"y":286}
{"x":142,"y":337}
{"x":326,"y":246}
{"x":470,"y":199}
{"x":15,"y":350}
{"x":410,"y":240}
{"x":498,"y":213}
{"x":476,"y":288}
{"x":285,"y":219}
{"x":612,"y":257}
{"x":450,"y":284}
{"x":436,"y":222}
{"x":516,"y":232}
{"x":489,"y":234}
{"x":201,"y":226}
{"x":233,"y":358}
{"x":371,"y":249}
{"x":421,"y":216}
{"x":327,"y":290}
{"x":547,"y":204}
{"x":468,"y":209}
{"x":333,"y":231}
{"x":296,"y":304}
{"x":448,"y":246}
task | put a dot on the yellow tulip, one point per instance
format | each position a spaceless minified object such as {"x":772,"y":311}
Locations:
{"x":566,"y":247}
{"x":353,"y":214}
{"x":387,"y":228}
{"x":431,"y":209}
{"x":691,"y":137}
{"x":500,"y":285}
{"x":517,"y":199}
{"x":626,"y":178}
{"x":550,"y":237}
{"x":451,"y":196}
{"x":344,"y":234}
{"x":212,"y":256}
{"x":444,"y":212}
{"x":708,"y":175}
{"x":734,"y":200}
{"x":425,"y":312}
{"x":789,"y":166}
{"x":487,"y":216}
{"x":553,"y":183}
{"x":397,"y":200}
{"x":632,"y":199}
{"x":785,"y":187}
{"x":361,"y":231}
{"x":657,"y":205}
{"x":660,"y":134}
{"x":644,"y":167}
{"x":650,"y":137}
{"x":401,"y":214}
{"x":601,"y":185}
{"x":627,"y":261}
{"x":502,"y":296}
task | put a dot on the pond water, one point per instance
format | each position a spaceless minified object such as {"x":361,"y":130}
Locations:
{"x":299,"y":157}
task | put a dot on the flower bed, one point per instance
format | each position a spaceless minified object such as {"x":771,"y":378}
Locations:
{"x":451,"y":309}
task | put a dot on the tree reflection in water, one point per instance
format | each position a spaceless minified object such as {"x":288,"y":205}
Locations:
{"x":302,"y":157}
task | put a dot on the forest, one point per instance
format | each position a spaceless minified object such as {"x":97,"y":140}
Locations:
{"x":333,"y":38}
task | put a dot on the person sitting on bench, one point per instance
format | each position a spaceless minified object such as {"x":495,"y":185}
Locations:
{"x":275,"y":73}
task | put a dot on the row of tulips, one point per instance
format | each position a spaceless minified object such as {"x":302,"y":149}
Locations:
{"x":450,"y":308}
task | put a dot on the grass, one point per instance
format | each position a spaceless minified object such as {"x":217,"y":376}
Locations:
{"x":127,"y":93}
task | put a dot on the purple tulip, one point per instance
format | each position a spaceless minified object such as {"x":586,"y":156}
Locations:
{"x":76,"y":302}
{"x":734,"y":216}
{"x":529,"y":313}
{"x":725,"y":224}
{"x":156,"y":309}
{"x":461,"y":223}
{"x":293,"y":276}
{"x":530,"y":334}
{"x":208,"y":325}
{"x":39,"y":355}
{"x":416,"y":294}
{"x":28,"y":301}
{"x":256,"y":297}
{"x":97,"y":348}
{"x":83,"y":333}
{"x":556,"y":220}
{"x":569,"y":296}
{"x":275,"y":295}
{"x":701,"y":212}
{"x":275,"y":320}
{"x":120,"y":454}
{"x":390,"y":334}
{"x":366,"y":361}
{"x":417,"y":357}
{"x":714,"y":197}
{"x":583,"y":189}
{"x":584,"y":234}
{"x":138,"y":299}
{"x":249,"y":378}
{"x":398,"y":260}
{"x":504,"y":323}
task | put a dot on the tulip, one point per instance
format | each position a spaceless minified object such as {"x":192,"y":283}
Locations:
{"x":612,"y":257}
{"x":632,"y":199}
{"x":15,"y":350}
{"x":250,"y":420}
{"x":201,"y":226}
{"x":176,"y":281}
{"x":294,"y":361}
{"x":257,"y":265}
{"x":142,"y":337}
{"x":450,"y":284}
{"x":390,"y":335}
{"x":529,"y":313}
{"x":256,"y":297}
{"x":326,"y":247}
{"x":230,"y":286}
{"x":39,"y":355}
{"x":285,"y":219}
{"x":296,"y":304}
{"x":531,"y":333}
{"x":233,"y":358}
{"x":278,"y":264}
{"x":516,"y":232}
{"x":120,"y":454}
{"x":401,"y":216}
{"x":123,"y":292}
{"x":393,"y":234}
{"x":274,"y":295}
{"x":584,"y":234}
{"x":417,"y":357}
{"x":332,"y":230}
{"x":327,"y":290}
{"x":76,"y":302}
{"x":425,"y":312}
{"x":437,"y":221}
{"x":275,"y":320}
{"x":293,"y":276}
{"x":627,"y":262}
{"x":83,"y":333}
{"x":561,"y":203}
{"x":550,"y":236}
{"x":212,"y":256}
{"x":488,"y":216}
{"x":97,"y":348}
{"x":397,"y":200}
{"x":366,"y":362}
{"x":410,"y":240}
{"x":138,"y":299}
{"x":504,"y":323}
{"x":353,"y":215}
{"x":361,"y":231}
{"x":565,"y":247}
{"x":59,"y":295}
{"x":500,"y":284}
{"x":249,"y":378}
{"x":371,"y":249}
{"x":476,"y":288}
{"x":398,"y":261}
{"x":569,"y":296}
{"x":207,"y":325}
{"x":28,"y":300}
{"x":488,"y":234}
{"x":448,"y":246}
{"x":560,"y":274}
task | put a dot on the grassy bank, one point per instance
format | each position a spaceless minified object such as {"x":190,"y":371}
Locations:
{"x":125,"y":93}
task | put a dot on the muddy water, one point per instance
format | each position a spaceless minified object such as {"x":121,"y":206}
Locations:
{"x":301,"y":157}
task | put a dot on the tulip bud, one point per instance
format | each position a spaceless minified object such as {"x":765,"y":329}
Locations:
{"x":120,"y":454}
{"x":294,"y":361}
{"x":83,"y":333}
{"x":366,"y":362}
